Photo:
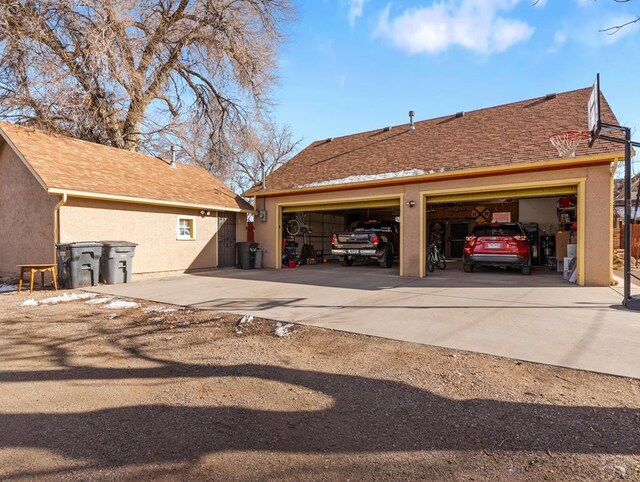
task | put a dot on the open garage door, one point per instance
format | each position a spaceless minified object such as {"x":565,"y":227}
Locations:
{"x":549,"y":217}
{"x":305,"y":230}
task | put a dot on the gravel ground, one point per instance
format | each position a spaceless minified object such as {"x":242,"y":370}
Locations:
{"x":92,"y":393}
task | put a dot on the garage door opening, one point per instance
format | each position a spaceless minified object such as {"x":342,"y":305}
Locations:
{"x":306,"y":234}
{"x":474,"y":232}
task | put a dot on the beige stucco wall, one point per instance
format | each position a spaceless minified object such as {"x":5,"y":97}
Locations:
{"x":153,"y":228}
{"x":26,"y":215}
{"x":597,"y":209}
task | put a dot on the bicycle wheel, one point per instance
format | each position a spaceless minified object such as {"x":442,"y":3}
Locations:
{"x":430,"y":264}
{"x":293,"y":227}
{"x":442,"y":263}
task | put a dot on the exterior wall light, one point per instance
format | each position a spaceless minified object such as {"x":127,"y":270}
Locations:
{"x":410,"y":203}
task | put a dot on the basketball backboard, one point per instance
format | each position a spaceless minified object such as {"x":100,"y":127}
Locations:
{"x":593,"y":111}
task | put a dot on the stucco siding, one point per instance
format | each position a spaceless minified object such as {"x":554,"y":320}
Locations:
{"x":153,"y":228}
{"x":26,"y":215}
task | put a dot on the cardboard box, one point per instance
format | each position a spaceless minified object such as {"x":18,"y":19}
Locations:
{"x":562,"y":239}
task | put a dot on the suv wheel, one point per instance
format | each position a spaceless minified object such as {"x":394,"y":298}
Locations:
{"x":467,"y":268}
{"x":526,"y":269}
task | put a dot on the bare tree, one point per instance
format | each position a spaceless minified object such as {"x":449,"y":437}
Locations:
{"x":264,"y":148}
{"x":615,"y":28}
{"x":130,"y":72}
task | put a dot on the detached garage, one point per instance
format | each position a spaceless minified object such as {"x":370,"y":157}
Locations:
{"x":440,"y":177}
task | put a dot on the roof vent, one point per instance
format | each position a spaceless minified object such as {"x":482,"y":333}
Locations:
{"x":386,"y":129}
{"x":329,"y":139}
{"x":412,"y":127}
{"x":173,"y":157}
{"x":459,"y":114}
{"x":550,"y":96}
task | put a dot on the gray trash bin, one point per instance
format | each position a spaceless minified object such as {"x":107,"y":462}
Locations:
{"x":259,"y":258}
{"x":79,"y":263}
{"x":246,"y":255}
{"x":116,"y":263}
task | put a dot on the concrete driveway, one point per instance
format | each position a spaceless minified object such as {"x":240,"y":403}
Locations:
{"x":538,"y":318}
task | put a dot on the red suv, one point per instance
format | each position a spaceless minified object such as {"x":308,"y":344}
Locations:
{"x":498,"y":244}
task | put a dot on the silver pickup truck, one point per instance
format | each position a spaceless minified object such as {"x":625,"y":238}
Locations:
{"x":376,"y":240}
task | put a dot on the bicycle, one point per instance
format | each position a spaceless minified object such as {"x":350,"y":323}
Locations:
{"x":435,"y":259}
{"x":295,"y":225}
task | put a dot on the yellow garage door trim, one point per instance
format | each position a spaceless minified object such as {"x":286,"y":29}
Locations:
{"x":508,"y":193}
{"x":381,"y":203}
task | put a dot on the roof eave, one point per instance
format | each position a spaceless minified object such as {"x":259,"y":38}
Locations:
{"x":142,"y":200}
{"x":439,"y":176}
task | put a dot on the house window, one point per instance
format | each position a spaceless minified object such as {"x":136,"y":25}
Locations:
{"x":186,"y":228}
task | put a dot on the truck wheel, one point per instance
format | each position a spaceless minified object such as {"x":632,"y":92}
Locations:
{"x":467,"y":268}
{"x":387,"y":261}
{"x":344,"y":261}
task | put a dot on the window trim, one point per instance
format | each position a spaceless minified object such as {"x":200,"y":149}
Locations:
{"x":180,"y":237}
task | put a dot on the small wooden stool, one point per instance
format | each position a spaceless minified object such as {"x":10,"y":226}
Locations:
{"x":33,"y":268}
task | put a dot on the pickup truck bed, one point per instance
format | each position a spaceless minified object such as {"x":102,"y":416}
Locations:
{"x":371,"y":240}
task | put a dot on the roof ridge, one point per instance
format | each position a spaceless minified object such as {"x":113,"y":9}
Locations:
{"x":450,"y":115}
{"x":76,"y":139}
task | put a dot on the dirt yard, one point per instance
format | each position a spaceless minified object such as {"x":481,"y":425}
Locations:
{"x":92,"y":393}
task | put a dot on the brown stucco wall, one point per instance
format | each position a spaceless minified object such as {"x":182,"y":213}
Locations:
{"x":153,"y":228}
{"x":26,"y":215}
{"x":597,"y":225}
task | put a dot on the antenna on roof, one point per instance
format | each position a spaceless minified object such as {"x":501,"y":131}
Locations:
{"x":411,"y":126}
{"x":173,"y":156}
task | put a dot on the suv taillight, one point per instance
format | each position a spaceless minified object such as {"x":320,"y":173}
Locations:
{"x":470,"y":239}
{"x":375,"y":239}
{"x":520,"y":238}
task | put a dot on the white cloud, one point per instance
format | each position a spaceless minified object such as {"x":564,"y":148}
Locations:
{"x":560,"y":38}
{"x":356,"y":8}
{"x":472,"y":24}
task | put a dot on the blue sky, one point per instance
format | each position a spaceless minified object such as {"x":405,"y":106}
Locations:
{"x":354,"y":65}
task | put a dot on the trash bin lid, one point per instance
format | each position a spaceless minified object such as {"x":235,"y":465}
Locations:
{"x":84,"y":244}
{"x":127,"y":244}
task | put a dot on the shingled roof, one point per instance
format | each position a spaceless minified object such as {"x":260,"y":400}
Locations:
{"x":505,"y":135}
{"x":65,"y":163}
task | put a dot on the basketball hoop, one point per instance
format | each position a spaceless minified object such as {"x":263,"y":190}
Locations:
{"x":567,"y":142}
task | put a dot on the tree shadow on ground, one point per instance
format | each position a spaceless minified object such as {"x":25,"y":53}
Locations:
{"x":367,"y":415}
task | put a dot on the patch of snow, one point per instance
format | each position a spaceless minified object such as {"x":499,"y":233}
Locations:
{"x":367,"y":177}
{"x":245,"y":319}
{"x":120,"y":305}
{"x":59,"y":299}
{"x":159,"y":309}
{"x":283,"y":330}
{"x":8,"y":288}
{"x":66,"y":297}
{"x":98,"y":301}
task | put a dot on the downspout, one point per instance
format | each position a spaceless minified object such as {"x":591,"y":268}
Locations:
{"x":56,"y":223}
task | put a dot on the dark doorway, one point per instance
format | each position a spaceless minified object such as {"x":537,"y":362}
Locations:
{"x":458,"y":231}
{"x":226,"y":239}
